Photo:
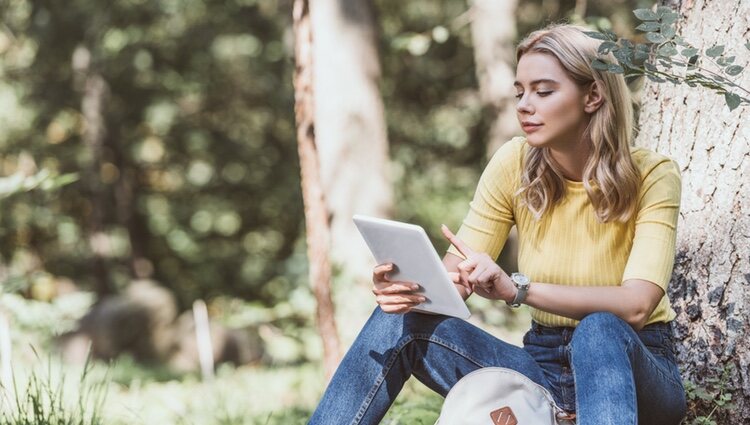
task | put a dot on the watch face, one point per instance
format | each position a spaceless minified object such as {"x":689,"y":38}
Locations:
{"x":520,"y":279}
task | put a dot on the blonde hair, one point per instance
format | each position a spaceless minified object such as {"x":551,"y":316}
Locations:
{"x":610,"y":177}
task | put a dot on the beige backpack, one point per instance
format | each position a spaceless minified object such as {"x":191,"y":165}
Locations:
{"x":500,"y":396}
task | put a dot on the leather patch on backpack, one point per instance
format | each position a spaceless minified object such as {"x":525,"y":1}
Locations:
{"x":503,"y":416}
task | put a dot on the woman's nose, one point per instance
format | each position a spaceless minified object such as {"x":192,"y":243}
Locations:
{"x":523,"y":105}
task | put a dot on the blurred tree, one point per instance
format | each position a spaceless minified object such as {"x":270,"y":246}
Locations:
{"x":709,"y":289}
{"x":350,"y":128}
{"x":316,"y":212}
{"x":493,"y":30}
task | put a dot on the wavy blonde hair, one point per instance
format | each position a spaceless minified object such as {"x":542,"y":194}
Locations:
{"x":610,"y":177}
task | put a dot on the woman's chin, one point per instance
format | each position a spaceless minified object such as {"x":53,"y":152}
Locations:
{"x":534,"y":140}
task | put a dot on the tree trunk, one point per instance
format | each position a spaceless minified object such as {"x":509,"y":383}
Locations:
{"x":709,"y":288}
{"x":350,"y":127}
{"x":493,"y":30}
{"x":350,"y":132}
{"x":94,"y":90}
{"x":316,"y":216}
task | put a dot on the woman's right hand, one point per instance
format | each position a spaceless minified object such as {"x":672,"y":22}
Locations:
{"x":394,"y":296}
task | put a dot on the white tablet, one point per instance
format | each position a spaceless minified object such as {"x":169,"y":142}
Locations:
{"x":408,"y":247}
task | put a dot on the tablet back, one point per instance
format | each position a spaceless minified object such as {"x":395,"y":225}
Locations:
{"x":408,"y":247}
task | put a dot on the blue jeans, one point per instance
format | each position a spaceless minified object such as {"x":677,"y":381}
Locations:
{"x":628,"y":377}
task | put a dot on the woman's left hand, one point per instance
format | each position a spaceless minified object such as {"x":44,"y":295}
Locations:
{"x":480,"y":273}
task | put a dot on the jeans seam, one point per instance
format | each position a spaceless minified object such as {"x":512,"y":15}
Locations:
{"x":634,"y":403}
{"x":658,"y":366}
{"x":392,"y":359}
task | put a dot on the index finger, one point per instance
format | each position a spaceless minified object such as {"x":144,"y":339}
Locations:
{"x":458,"y":243}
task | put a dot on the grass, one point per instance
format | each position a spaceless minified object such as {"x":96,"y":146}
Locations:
{"x":44,"y":399}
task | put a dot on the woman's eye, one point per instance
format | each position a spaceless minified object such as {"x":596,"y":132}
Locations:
{"x":540,"y":93}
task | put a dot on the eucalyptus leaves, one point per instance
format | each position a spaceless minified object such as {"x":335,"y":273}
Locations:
{"x":668,"y":57}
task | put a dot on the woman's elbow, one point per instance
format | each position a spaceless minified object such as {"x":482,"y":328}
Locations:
{"x":638,"y":317}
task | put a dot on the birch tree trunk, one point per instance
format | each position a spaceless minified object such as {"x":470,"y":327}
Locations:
{"x":352,"y":145}
{"x":711,"y":280}
{"x":316,"y":215}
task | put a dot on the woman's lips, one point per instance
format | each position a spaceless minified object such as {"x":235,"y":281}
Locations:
{"x":531,"y":128}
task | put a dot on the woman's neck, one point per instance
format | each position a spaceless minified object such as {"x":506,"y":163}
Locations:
{"x":572,"y":159}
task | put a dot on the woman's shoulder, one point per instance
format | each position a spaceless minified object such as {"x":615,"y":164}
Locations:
{"x":508,"y":158}
{"x":510,"y":152}
{"x":653,"y":164}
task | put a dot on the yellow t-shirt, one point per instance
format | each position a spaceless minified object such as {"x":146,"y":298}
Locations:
{"x":568,"y":246}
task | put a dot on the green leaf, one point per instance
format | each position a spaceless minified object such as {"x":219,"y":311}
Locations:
{"x":655,"y":37}
{"x":724,"y":61}
{"x":661,"y":10}
{"x":655,"y":79}
{"x":651,"y":67}
{"x":595,"y":34}
{"x":689,"y":52}
{"x":733,"y":100}
{"x":640,"y":55}
{"x":610,"y":35}
{"x":670,"y":18}
{"x":600,"y":65}
{"x":715,"y":51}
{"x":747,"y":45}
{"x":645,"y":15}
{"x":615,"y":68}
{"x":648,"y":26}
{"x":606,"y":47}
{"x":623,"y":56}
{"x":734,"y":70}
{"x":681,"y":41}
{"x":666,"y":50}
{"x":667,"y":31}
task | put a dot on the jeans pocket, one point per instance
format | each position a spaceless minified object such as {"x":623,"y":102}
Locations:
{"x":656,"y":339}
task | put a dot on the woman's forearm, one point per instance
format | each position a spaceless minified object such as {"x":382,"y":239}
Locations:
{"x":575,"y":302}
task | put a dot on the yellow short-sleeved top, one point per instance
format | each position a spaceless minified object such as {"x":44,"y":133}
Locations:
{"x":568,"y":246}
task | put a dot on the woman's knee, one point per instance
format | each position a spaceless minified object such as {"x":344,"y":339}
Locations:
{"x":599,"y":329}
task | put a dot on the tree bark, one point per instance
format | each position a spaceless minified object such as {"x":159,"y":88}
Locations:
{"x":316,"y":215}
{"x":350,"y":128}
{"x":709,"y":288}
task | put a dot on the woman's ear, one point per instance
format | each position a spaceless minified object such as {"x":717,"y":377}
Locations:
{"x":593,"y":98}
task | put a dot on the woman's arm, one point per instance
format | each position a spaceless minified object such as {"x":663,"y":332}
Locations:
{"x":633,"y":301}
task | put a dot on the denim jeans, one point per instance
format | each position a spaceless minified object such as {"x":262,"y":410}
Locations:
{"x":623,"y":376}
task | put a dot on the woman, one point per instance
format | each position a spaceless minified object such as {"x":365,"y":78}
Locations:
{"x":596,"y":221}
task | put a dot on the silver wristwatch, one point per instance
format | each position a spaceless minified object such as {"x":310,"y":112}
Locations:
{"x":522,"y":282}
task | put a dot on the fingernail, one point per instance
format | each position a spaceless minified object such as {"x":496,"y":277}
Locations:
{"x":415,"y":287}
{"x":422,"y":299}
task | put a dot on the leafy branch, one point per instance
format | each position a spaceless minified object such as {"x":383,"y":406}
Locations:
{"x":668,"y":57}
